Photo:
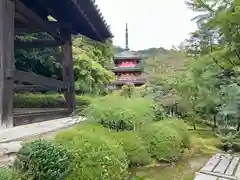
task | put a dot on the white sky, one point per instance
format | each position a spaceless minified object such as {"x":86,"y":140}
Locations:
{"x":151,"y":23}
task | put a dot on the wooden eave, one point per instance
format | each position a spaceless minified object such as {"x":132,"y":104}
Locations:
{"x":83,"y":15}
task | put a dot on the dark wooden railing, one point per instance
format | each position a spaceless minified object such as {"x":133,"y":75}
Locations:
{"x":31,"y":78}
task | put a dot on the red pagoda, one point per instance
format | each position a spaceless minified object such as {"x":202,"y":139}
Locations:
{"x":128,"y":67}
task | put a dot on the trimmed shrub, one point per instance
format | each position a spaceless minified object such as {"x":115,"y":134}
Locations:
{"x":92,"y":127}
{"x":165,"y":143}
{"x":134,"y":147}
{"x":39,"y":100}
{"x":7,"y":174}
{"x":120,"y":113}
{"x":96,"y":154}
{"x":181,"y":128}
{"x":42,"y":160}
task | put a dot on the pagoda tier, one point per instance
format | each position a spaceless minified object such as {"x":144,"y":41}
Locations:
{"x":136,"y":82}
{"x":128,"y":69}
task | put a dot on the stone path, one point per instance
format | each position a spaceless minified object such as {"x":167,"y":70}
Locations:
{"x":11,"y":138}
{"x":220,"y":167}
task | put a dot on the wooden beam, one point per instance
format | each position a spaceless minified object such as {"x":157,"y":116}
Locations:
{"x":31,"y":78}
{"x":68,"y":75}
{"x":7,"y":10}
{"x":33,"y":88}
{"x":35,"y":19}
{"x":80,"y":9}
{"x":20,"y":44}
{"x":22,"y":28}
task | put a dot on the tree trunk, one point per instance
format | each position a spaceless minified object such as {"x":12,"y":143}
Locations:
{"x":214,"y":123}
{"x":194,"y":125}
{"x":238,"y":126}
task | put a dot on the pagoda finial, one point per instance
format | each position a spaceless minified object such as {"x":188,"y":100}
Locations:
{"x":126,"y":36}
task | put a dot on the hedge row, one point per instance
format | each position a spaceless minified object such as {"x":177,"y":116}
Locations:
{"x":38,"y":100}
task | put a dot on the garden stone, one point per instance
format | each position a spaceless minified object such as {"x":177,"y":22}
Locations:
{"x":10,"y":148}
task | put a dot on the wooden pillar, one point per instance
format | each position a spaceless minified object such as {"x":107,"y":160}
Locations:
{"x":7,"y":11}
{"x":68,"y":74}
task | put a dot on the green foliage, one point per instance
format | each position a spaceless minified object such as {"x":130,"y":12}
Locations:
{"x":165,"y":143}
{"x":146,"y":53}
{"x":7,"y":174}
{"x":127,"y":90}
{"x":210,"y":81}
{"x":38,"y":100}
{"x":120,"y":113}
{"x":43,"y":61}
{"x":159,"y":112}
{"x":82,"y":102}
{"x":91,"y":62}
{"x":31,"y":100}
{"x":180,"y":127}
{"x":134,"y":147}
{"x":96,"y":154}
{"x":42,"y":160}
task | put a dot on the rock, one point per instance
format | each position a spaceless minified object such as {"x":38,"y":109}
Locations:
{"x":10,"y":147}
{"x":7,"y":160}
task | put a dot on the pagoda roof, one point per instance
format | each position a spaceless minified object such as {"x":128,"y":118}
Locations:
{"x":84,"y":16}
{"x":127,"y":55}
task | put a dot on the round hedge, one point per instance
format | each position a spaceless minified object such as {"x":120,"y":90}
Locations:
{"x":134,"y":147}
{"x":96,"y":155}
{"x":181,"y":128}
{"x":164,"y":142}
{"x":42,"y":160}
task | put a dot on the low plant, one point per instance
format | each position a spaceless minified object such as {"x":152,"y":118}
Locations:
{"x":134,"y":147}
{"x":7,"y":174}
{"x":119,"y":113}
{"x":96,"y":154}
{"x":42,"y":160}
{"x":165,"y":143}
{"x":127,"y":90}
{"x":180,"y":127}
{"x":38,"y":100}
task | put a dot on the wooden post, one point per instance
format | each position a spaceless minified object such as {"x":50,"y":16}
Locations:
{"x":68,"y":74}
{"x":7,"y":11}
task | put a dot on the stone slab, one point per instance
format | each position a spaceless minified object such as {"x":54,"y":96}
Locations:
{"x":221,"y":166}
{"x":35,"y":129}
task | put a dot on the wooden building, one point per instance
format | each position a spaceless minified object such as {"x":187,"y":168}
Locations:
{"x":128,"y":68}
{"x":31,"y":16}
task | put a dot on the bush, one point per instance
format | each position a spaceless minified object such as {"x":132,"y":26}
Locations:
{"x":42,"y":160}
{"x":7,"y":174}
{"x":96,"y":155}
{"x":119,"y":113}
{"x":181,"y":128}
{"x":83,"y":102}
{"x":159,"y":112}
{"x":127,"y":90}
{"x":164,"y":142}
{"x":134,"y":148}
{"x":39,"y":100}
